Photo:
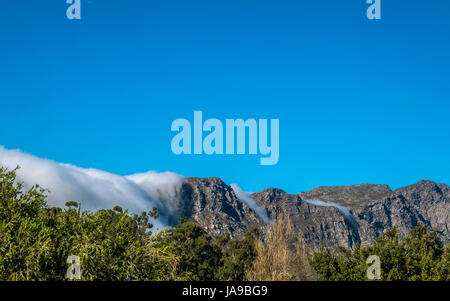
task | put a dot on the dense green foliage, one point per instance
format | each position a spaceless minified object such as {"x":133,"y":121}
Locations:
{"x":420,"y":256}
{"x":36,"y":241}
{"x":205,"y":258}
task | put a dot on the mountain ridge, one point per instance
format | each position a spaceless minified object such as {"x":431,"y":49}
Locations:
{"x":370,"y":210}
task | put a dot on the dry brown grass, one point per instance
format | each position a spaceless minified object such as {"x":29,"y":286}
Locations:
{"x":282,"y":256}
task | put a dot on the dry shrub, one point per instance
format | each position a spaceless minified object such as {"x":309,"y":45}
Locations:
{"x":282,"y":256}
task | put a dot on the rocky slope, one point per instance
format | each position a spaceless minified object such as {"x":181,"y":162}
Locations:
{"x":358,"y":213}
{"x":425,"y":202}
{"x":214,"y":205}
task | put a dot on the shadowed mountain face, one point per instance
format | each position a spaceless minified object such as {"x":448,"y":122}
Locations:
{"x":215,"y":206}
{"x":334,"y":216}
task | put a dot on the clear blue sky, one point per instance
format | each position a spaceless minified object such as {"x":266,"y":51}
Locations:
{"x":358,"y":101}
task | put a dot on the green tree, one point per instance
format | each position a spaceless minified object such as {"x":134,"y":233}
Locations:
{"x":199,"y":255}
{"x":238,"y":256}
{"x":112,"y":245}
{"x":420,"y":256}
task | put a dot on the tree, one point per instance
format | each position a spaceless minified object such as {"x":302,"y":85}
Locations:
{"x":238,"y":256}
{"x":199,"y":256}
{"x":420,"y":256}
{"x":282,"y":256}
{"x":112,"y":245}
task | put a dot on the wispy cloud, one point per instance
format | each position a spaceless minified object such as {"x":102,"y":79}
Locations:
{"x":250,"y":202}
{"x":342,"y":209}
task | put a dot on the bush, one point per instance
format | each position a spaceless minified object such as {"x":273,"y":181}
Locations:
{"x":282,"y":256}
{"x":37,"y":240}
{"x":419,"y":256}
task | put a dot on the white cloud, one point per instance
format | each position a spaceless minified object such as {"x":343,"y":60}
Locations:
{"x":342,"y":209}
{"x":250,"y":202}
{"x":97,"y":189}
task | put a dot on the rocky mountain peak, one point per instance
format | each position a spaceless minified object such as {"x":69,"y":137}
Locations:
{"x":214,"y":205}
{"x":424,"y":188}
{"x":348,"y":196}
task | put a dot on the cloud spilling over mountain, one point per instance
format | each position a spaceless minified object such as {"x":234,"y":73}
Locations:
{"x":97,"y":189}
{"x":250,"y":202}
{"x":342,"y":209}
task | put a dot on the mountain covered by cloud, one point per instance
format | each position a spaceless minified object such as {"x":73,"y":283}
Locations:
{"x":246,"y":197}
{"x":97,"y":189}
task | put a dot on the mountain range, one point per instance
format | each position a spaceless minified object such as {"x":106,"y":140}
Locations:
{"x":332,"y":216}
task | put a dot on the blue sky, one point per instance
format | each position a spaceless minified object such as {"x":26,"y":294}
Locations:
{"x":358,"y":101}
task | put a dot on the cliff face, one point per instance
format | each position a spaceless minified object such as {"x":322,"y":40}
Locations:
{"x":425,"y":202}
{"x":316,"y":224}
{"x":343,"y":216}
{"x":214,"y":205}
